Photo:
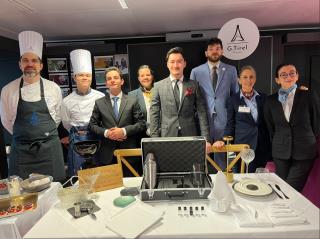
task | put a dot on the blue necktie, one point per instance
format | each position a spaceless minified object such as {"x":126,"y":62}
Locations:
{"x":115,"y":106}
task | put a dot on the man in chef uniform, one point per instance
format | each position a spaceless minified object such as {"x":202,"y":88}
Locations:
{"x":30,"y":111}
{"x":76,"y":111}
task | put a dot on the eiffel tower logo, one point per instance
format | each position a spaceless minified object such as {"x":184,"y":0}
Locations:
{"x":237,"y":35}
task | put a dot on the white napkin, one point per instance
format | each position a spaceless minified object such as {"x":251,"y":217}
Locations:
{"x":221,"y":195}
{"x":247,"y":216}
{"x":284,"y":215}
{"x":124,"y":224}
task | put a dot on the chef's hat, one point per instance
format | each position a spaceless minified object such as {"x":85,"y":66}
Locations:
{"x":30,"y":41}
{"x":81,"y":61}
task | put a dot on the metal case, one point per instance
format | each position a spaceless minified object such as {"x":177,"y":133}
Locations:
{"x":181,"y":169}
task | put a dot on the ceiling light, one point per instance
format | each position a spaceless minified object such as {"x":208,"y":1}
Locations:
{"x":123,"y":4}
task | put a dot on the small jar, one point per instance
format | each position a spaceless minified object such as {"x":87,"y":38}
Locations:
{"x":14,"y":185}
{"x":3,"y":186}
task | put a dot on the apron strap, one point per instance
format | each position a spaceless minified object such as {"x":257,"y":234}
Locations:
{"x":41,"y":88}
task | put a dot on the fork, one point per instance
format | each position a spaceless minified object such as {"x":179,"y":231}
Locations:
{"x":275,"y":191}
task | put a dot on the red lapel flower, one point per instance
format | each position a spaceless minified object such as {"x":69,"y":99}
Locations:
{"x":188,"y":92}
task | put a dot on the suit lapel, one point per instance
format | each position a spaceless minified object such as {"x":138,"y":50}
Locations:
{"x":109,"y":106}
{"x":185,"y":85}
{"x":222,"y":70}
{"x":259,"y":108}
{"x":169,"y":90}
{"x":278,"y":107}
{"x":141,"y":101}
{"x":294,"y":104}
{"x":123,"y":104}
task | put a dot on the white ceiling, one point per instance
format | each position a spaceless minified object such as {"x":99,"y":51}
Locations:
{"x":83,"y":19}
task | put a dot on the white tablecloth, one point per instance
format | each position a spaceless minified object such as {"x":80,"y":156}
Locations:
{"x":16,"y":227}
{"x":58,"y":223}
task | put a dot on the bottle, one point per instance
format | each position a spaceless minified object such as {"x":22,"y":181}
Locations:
{"x":150,"y":173}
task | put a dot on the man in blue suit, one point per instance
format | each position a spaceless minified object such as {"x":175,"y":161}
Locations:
{"x":218,"y":81}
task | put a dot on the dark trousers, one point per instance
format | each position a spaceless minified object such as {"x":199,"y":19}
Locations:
{"x":294,"y":172}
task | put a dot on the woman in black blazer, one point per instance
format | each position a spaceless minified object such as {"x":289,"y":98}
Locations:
{"x":293,"y":121}
{"x":246,"y":121}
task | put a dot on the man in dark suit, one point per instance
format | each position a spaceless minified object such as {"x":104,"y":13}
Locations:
{"x":176,"y":103}
{"x":292,"y":118}
{"x":116,"y":117}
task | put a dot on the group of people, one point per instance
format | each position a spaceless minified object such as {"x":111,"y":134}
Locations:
{"x":208,"y":104}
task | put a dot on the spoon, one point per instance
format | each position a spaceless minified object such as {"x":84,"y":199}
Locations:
{"x":278,"y":187}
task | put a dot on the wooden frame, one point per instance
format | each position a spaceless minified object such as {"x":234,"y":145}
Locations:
{"x":122,"y":153}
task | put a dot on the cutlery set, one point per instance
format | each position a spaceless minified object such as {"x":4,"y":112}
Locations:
{"x":279,"y":190}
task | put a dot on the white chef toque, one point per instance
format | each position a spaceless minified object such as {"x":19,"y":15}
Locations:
{"x":81,"y":61}
{"x":31,"y":42}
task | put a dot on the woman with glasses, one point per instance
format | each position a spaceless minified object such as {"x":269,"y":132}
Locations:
{"x":293,"y":121}
{"x":246,"y":121}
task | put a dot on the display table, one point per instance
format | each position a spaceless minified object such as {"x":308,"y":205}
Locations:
{"x":58,"y":223}
{"x":17,"y":226}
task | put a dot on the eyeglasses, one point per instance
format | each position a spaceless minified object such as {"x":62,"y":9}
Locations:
{"x":291,"y":74}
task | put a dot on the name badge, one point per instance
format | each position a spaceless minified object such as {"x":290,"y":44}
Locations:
{"x":244,"y":109}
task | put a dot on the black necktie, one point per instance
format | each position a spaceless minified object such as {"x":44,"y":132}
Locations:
{"x":176,"y":93}
{"x":214,"y":77}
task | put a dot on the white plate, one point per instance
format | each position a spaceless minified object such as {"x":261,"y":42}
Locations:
{"x":252,"y":187}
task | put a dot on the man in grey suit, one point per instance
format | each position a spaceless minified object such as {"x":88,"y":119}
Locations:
{"x":218,"y":81}
{"x":176,"y":103}
{"x":117,"y":118}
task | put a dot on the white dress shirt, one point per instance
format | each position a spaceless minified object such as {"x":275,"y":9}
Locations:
{"x":211,"y":65}
{"x":29,"y":93}
{"x":76,"y":109}
{"x":287,"y":106}
{"x":180,"y":84}
{"x":118,"y":102}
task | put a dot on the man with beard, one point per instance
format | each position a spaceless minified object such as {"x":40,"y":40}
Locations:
{"x":76,"y":111}
{"x":218,"y":81}
{"x":30,"y":111}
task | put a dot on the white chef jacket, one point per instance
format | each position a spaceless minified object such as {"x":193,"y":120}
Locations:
{"x":76,"y":109}
{"x":30,"y":93}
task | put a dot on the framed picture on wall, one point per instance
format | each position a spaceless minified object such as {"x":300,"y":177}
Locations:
{"x":102,"y":62}
{"x":65,"y":92}
{"x":62,"y":79}
{"x":57,"y":65}
{"x":121,"y":61}
{"x":73,"y":83}
{"x":100,"y":78}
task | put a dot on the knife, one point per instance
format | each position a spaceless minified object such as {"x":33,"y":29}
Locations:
{"x":275,"y":191}
{"x":278,"y":187}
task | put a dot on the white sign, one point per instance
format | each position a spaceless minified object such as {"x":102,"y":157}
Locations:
{"x":240,"y":37}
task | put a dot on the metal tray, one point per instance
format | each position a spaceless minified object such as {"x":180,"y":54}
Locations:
{"x":16,"y":205}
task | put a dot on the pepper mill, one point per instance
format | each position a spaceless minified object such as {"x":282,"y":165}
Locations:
{"x":229,"y":173}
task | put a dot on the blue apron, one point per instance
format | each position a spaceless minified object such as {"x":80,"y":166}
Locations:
{"x":36,"y":146}
{"x":77,"y":135}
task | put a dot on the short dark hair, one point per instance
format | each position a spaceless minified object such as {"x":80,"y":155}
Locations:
{"x":175,"y":50}
{"x":113,"y":68}
{"x":214,"y":41}
{"x":276,"y":73}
